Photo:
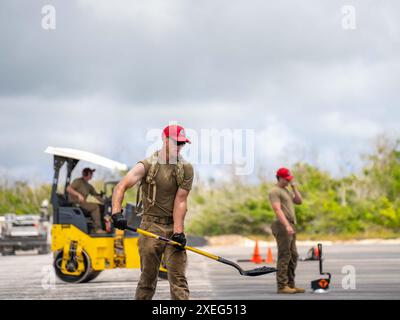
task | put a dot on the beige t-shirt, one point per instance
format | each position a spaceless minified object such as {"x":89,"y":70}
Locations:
{"x":166,"y":188}
{"x":84,"y":188}
{"x":285,"y":197}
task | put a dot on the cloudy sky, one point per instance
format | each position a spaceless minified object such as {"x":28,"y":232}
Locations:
{"x":309,"y":87}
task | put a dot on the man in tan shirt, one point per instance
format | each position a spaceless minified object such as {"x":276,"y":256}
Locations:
{"x":166,"y":182}
{"x":79,"y":190}
{"x":284,"y":230}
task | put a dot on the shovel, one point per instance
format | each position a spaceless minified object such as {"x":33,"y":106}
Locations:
{"x":250,"y":273}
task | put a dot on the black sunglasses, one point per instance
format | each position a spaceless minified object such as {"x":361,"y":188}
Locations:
{"x":178,"y":143}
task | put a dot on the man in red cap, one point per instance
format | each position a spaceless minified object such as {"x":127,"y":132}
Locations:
{"x":283,"y":228}
{"x":166,"y":180}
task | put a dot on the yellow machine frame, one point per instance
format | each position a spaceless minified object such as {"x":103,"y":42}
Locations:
{"x":103,"y":251}
{"x":78,"y":255}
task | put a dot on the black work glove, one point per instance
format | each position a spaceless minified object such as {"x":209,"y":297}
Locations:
{"x":119,"y":221}
{"x":180,"y":238}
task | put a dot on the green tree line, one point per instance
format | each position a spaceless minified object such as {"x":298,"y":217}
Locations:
{"x":21,"y":198}
{"x":366,"y":203}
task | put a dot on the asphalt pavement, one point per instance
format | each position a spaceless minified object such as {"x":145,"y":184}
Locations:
{"x":359,"y":271}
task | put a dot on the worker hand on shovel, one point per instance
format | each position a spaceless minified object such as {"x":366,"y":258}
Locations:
{"x":119,"y":221}
{"x":180,"y":238}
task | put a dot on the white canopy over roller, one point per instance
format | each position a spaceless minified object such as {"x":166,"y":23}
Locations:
{"x":87,"y":156}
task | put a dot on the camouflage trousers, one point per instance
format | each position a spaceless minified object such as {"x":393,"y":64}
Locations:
{"x":95,"y":213}
{"x":151,"y":251}
{"x":287,"y":255}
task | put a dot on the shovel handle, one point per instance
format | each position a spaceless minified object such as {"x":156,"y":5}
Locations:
{"x":174,"y":243}
{"x":255,"y":272}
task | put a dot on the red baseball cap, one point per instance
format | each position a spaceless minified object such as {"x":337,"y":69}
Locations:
{"x":284,"y":173}
{"x":176,"y":133}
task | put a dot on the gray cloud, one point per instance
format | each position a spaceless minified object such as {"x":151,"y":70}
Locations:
{"x":111,"y":71}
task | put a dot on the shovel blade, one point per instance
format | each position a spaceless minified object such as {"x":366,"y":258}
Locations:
{"x":259,"y":271}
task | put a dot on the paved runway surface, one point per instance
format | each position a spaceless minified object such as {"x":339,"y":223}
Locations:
{"x":377,"y":266}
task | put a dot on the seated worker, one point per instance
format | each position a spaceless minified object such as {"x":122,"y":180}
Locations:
{"x":79,"y":191}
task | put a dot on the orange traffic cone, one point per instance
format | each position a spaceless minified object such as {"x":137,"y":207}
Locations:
{"x":270,"y":257}
{"x":256,"y":255}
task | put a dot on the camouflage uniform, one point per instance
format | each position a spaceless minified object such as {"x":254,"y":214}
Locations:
{"x":287,"y":249}
{"x":86,"y":189}
{"x":158,"y":218}
{"x":287,"y":255}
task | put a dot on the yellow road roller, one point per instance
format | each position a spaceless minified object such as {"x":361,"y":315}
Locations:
{"x":80,"y":255}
